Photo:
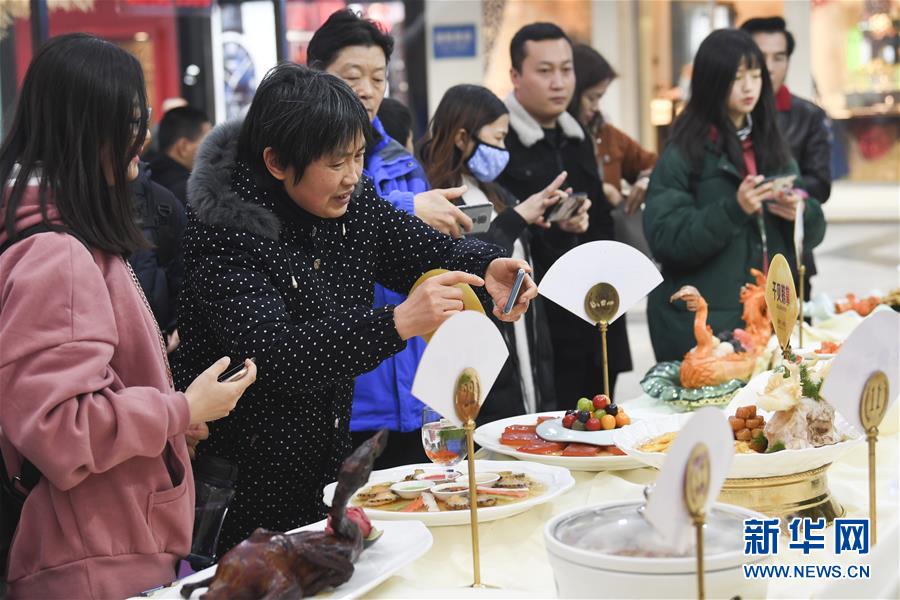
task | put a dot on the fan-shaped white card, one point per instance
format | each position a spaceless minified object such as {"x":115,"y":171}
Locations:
{"x":466,"y":340}
{"x":632,"y":274}
{"x":666,"y":508}
{"x":873,"y":346}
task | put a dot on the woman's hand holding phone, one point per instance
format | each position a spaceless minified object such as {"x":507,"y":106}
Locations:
{"x":752,"y":192}
{"x":533,"y":209}
{"x":579,"y":222}
{"x":784,"y":205}
{"x":209,"y":399}
{"x":499,"y":281}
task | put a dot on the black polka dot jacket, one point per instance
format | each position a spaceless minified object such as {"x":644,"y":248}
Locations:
{"x":266,"y":279}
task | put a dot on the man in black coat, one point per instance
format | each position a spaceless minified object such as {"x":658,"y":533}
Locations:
{"x":543,"y":140}
{"x":285,"y":242}
{"x":803,"y":124}
{"x":160,"y":268}
{"x":180,"y":133}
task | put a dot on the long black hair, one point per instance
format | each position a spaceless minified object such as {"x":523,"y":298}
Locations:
{"x":590,"y":69}
{"x":464,"y":106}
{"x":83,"y":100}
{"x":715,"y":66}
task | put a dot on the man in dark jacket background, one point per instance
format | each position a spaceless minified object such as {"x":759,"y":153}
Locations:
{"x":160,"y":268}
{"x":181,"y":131}
{"x":543,"y":140}
{"x":803,"y":124}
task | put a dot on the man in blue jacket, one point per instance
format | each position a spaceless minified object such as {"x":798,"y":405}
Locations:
{"x":357,"y":51}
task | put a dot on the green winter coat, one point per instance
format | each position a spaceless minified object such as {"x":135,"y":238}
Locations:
{"x":702,"y":237}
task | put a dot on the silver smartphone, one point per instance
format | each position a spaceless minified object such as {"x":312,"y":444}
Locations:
{"x":514,"y":294}
{"x":480,"y":215}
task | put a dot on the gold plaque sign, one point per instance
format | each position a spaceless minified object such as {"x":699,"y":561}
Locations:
{"x":696,"y":480}
{"x":601,"y":302}
{"x":874,"y":401}
{"x":781,"y":299}
{"x":467,"y":395}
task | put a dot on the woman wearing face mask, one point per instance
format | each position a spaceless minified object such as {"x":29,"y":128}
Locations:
{"x":466,"y":146}
{"x":89,"y":417}
{"x":709,"y":216}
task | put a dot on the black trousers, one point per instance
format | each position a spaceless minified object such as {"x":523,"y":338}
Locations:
{"x":577,"y":376}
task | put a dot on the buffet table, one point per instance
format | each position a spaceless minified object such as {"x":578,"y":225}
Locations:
{"x":513,"y":556}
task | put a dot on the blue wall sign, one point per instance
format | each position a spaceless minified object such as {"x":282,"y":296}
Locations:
{"x":454,"y":41}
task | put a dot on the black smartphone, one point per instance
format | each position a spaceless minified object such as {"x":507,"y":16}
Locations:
{"x":565,"y":208}
{"x":514,"y":294}
{"x":235,"y":373}
{"x":480,"y":215}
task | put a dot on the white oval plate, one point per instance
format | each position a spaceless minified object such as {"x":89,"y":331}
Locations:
{"x":785,"y":462}
{"x":558,"y":481}
{"x":553,"y":431}
{"x":488,"y":436}
{"x":400,"y":544}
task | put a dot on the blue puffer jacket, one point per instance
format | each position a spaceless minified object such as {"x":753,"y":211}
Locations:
{"x":382,"y":396}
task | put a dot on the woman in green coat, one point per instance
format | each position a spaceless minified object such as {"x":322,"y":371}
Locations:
{"x":710,"y":213}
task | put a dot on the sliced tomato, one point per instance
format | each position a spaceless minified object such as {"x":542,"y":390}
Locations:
{"x":542,"y":447}
{"x":614,"y":450}
{"x":518,"y":438}
{"x":581,"y":450}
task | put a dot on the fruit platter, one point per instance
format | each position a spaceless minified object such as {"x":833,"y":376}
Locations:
{"x":780,"y":423}
{"x":439,"y":497}
{"x":585,"y":432}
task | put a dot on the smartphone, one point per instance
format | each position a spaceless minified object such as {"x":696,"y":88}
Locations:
{"x":780,"y":183}
{"x":480,"y":215}
{"x":565,"y":208}
{"x":514,"y":294}
{"x":235,"y":373}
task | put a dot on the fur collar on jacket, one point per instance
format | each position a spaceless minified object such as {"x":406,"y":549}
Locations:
{"x":530,"y":131}
{"x":210,"y":194}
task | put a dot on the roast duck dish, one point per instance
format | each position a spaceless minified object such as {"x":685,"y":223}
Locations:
{"x":274,"y":565}
{"x":731,"y":355}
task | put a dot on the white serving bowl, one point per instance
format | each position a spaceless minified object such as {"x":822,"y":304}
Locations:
{"x":481,"y":479}
{"x":411,"y":489}
{"x":588,"y":550}
{"x":443,"y":491}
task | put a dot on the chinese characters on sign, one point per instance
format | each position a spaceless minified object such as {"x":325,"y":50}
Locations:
{"x":761,"y":536}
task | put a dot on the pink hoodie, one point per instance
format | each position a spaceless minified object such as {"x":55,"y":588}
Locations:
{"x":85,"y":396}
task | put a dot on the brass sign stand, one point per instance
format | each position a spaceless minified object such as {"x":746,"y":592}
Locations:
{"x":601,"y":303}
{"x":696,"y":491}
{"x":467,"y":401}
{"x":872,"y":407}
{"x":802,"y":270}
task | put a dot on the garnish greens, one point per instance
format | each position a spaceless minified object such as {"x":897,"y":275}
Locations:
{"x":776,"y":447}
{"x":809,"y":388}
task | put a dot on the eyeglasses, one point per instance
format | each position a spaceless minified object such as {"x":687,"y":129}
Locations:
{"x":136,"y":123}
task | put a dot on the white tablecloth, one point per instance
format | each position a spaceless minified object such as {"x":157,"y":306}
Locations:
{"x":513,"y":556}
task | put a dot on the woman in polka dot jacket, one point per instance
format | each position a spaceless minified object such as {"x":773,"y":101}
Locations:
{"x":281,"y":259}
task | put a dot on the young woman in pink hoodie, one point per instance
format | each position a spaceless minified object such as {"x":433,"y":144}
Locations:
{"x":86,"y":393}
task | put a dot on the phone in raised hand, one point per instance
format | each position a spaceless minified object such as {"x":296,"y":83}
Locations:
{"x":235,"y":373}
{"x":514,"y":293}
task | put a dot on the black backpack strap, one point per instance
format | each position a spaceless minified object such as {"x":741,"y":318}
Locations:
{"x":35,"y":229}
